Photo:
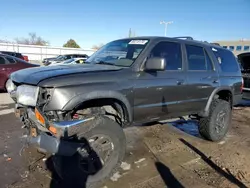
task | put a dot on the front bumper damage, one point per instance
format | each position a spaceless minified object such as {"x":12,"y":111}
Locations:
{"x":44,"y":140}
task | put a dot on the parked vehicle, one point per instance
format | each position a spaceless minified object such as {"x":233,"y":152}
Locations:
{"x":244,"y":60}
{"x":61,"y":58}
{"x":10,"y":64}
{"x":72,"y":61}
{"x":127,"y":82}
{"x":16,"y":54}
{"x":46,"y":60}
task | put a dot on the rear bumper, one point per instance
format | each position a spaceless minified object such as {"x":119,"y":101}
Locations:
{"x":237,"y":99}
{"x":246,"y":94}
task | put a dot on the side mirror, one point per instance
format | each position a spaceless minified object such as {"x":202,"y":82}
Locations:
{"x":155,"y":64}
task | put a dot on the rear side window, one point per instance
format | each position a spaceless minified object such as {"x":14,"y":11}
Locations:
{"x":18,"y":55}
{"x":11,"y":60}
{"x":2,"y":61}
{"x":198,"y":58}
{"x":226,"y":59}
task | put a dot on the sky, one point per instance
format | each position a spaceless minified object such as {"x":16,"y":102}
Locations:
{"x":91,"y":22}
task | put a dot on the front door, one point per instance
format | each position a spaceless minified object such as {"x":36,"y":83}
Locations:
{"x":161,"y":94}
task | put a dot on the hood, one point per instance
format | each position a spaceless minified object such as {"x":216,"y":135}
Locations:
{"x":33,"y":76}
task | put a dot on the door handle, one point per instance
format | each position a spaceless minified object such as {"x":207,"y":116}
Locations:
{"x":215,"y":81}
{"x":3,"y":69}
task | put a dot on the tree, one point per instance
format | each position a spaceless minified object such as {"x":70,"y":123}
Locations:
{"x":71,"y":44}
{"x":97,"y":47}
{"x":33,"y":39}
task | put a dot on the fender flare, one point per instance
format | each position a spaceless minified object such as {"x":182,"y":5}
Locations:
{"x":75,"y":101}
{"x":205,"y":113}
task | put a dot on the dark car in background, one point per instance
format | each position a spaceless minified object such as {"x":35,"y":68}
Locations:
{"x":10,"y":64}
{"x":16,"y":54}
{"x":61,"y":58}
{"x":45,"y":60}
{"x":244,"y":60}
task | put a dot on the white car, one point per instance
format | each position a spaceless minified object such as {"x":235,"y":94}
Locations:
{"x":71,"y":61}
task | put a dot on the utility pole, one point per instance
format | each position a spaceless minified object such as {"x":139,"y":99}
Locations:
{"x":166,"y":25}
{"x":130,"y":33}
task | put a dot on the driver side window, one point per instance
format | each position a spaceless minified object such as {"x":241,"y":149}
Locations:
{"x":171,"y":52}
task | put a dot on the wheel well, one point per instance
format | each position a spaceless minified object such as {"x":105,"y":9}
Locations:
{"x":112,"y":108}
{"x":225,"y":95}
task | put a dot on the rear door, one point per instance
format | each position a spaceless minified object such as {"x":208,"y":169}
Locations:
{"x":202,"y":76}
{"x":230,"y":73}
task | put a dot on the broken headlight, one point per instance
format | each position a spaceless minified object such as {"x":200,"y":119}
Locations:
{"x":27,"y":95}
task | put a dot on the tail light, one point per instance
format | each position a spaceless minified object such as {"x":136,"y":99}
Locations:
{"x":25,"y":57}
{"x":242,"y":85}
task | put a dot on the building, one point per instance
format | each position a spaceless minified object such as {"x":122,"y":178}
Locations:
{"x":237,"y":47}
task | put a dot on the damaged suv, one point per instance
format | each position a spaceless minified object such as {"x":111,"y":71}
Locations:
{"x":67,"y":109}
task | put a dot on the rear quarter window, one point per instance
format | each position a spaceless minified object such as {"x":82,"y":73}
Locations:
{"x":226,"y":60}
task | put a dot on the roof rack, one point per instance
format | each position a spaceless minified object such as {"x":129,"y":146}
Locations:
{"x":191,"y":38}
{"x":184,"y":37}
{"x":215,"y":43}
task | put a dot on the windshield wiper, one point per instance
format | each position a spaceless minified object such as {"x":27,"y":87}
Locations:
{"x":104,"y":63}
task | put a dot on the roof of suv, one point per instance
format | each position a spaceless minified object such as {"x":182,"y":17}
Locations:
{"x":189,"y":39}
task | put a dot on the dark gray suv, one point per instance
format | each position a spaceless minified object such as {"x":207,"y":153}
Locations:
{"x":82,"y":109}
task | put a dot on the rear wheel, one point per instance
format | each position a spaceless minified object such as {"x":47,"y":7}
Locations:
{"x":216,"y":125}
{"x":105,"y":149}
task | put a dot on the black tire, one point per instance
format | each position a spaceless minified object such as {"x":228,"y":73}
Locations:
{"x":71,"y":172}
{"x":211,"y":128}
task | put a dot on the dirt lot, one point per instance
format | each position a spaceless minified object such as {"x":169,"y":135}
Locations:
{"x":163,"y":155}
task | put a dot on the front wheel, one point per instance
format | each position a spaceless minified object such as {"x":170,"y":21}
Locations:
{"x":106,"y":144}
{"x":216,"y":125}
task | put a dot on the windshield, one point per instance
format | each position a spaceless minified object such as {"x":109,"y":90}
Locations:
{"x":119,"y":53}
{"x":60,"y":57}
{"x":69,"y":61}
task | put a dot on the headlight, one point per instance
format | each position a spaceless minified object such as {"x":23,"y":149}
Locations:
{"x":27,"y":95}
{"x":10,"y":86}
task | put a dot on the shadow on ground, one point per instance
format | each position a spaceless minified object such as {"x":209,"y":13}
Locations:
{"x":230,"y":177}
{"x":74,"y":171}
{"x":167,"y":176}
{"x":7,"y":106}
{"x":188,"y":126}
{"x":2,"y":91}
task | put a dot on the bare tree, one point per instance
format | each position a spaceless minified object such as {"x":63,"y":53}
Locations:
{"x":33,"y":39}
{"x":96,"y":47}
{"x":3,"y":41}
